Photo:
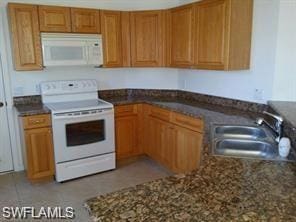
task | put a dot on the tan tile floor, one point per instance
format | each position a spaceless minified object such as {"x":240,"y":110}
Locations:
{"x":16,"y":190}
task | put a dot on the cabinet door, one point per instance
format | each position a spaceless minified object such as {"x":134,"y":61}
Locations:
{"x":54,"y":19}
{"x":147,"y":38}
{"x":161,"y":141}
{"x":125,"y":38}
{"x":112,"y":45}
{"x":25,"y":37}
{"x":188,"y":150}
{"x":212,"y":35}
{"x":155,"y":129}
{"x":40,"y":161}
{"x":85,"y":20}
{"x":181,"y":32}
{"x":168,"y":145}
{"x":126,"y":136}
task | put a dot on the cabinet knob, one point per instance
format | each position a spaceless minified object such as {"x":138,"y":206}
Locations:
{"x":1,"y":104}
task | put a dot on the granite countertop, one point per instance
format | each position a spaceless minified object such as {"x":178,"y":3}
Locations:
{"x":186,"y":107}
{"x":190,"y":108}
{"x":32,"y":109}
{"x":286,"y":109}
{"x":224,"y":189}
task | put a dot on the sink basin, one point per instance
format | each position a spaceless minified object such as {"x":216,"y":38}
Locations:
{"x":246,"y":148}
{"x":246,"y":142}
{"x":251,"y":132}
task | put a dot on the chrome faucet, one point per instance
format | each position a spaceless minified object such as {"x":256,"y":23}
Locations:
{"x":278,"y":125}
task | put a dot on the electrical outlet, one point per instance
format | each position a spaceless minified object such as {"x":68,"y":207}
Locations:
{"x":258,"y":94}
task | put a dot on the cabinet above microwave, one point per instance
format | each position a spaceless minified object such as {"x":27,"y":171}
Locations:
{"x":60,"y":49}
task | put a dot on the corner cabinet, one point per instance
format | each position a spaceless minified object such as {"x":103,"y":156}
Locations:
{"x":25,"y":36}
{"x":173,"y":139}
{"x":38,"y":147}
{"x":223,"y":34}
{"x":147,"y":38}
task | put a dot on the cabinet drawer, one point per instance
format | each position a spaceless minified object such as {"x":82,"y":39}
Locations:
{"x":126,"y":110}
{"x":188,"y":122}
{"x":36,"y":121}
{"x":160,"y":113}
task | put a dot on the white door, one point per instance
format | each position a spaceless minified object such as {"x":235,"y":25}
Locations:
{"x":5,"y":146}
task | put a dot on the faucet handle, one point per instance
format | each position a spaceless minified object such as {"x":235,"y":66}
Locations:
{"x":277,"y":117}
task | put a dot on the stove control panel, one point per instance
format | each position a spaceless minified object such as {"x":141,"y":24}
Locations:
{"x":68,"y":87}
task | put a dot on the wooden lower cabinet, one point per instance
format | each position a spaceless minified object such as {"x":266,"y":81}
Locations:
{"x":172,"y":139}
{"x":187,"y":153}
{"x":38,"y":147}
{"x":175,"y":147}
{"x":126,"y":131}
{"x":39,"y":153}
{"x":161,"y":141}
{"x":126,"y":136}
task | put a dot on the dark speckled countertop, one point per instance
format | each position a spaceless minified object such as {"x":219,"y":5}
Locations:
{"x":223,"y":189}
{"x":191,"y":108}
{"x":32,"y":109}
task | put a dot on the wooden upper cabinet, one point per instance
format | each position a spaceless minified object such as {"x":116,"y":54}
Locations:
{"x":112,"y":38}
{"x":125,"y":39}
{"x":25,"y":36}
{"x":147,"y":38}
{"x":54,"y":19}
{"x":212,"y":35}
{"x":180,"y":36}
{"x":85,"y":20}
{"x":223,"y":37}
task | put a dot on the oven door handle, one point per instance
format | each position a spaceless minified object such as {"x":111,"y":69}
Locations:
{"x":68,"y":116}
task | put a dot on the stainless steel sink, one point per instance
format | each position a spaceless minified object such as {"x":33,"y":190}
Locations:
{"x":241,"y":132}
{"x":246,"y":142}
{"x":246,"y":148}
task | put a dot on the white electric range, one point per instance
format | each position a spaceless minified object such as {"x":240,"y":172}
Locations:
{"x":83,"y":128}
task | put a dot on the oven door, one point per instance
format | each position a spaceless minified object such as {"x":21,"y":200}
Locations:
{"x":83,"y":134}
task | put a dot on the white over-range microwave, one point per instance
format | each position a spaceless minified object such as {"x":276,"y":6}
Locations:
{"x":64,"y":49}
